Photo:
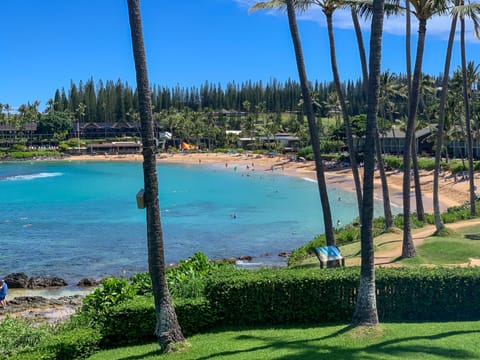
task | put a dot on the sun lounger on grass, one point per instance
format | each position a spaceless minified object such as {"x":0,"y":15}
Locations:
{"x":327,"y":254}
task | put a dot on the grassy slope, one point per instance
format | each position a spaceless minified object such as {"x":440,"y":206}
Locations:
{"x":457,"y":340}
{"x":436,"y":250}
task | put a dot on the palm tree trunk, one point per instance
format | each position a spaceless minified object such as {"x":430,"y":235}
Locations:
{"x":167,"y":328}
{"x":466,"y":103}
{"x":408,"y":249}
{"x":346,"y":118}
{"x":441,"y":124}
{"x":366,"y":306}
{"x":387,"y":210}
{"x":361,"y":47}
{"x":416,"y":179}
{"x":408,"y":38}
{"x":307,"y":103}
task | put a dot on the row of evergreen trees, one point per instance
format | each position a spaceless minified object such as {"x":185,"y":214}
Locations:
{"x":116,"y":101}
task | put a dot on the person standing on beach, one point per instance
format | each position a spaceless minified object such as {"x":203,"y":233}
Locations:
{"x":3,"y":293}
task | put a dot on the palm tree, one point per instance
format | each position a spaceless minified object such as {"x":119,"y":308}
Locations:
{"x":308,"y":106}
{"x":354,"y":7}
{"x":439,"y":225}
{"x":472,"y":12}
{"x":328,"y":7}
{"x":366,"y":306}
{"x":423,"y":10}
{"x":167,"y":329}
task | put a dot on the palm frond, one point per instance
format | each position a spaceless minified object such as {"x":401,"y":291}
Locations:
{"x":472,"y":11}
{"x":268,"y":5}
{"x":280,"y":5}
{"x":364,"y":7}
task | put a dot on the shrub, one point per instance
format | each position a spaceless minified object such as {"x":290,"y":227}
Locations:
{"x":269,"y":297}
{"x":426,"y":164}
{"x":130,"y":322}
{"x":186,"y":280}
{"x":414,"y":222}
{"x":306,"y":153}
{"x":393,"y":162}
{"x":18,"y":147}
{"x":195,"y":315}
{"x":112,"y":291}
{"x":73,"y":344}
{"x":142,"y":283}
{"x":456,"y":167}
{"x":19,"y":336}
{"x":133,"y":321}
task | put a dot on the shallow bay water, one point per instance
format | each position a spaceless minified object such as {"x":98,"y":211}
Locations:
{"x":80,"y":219}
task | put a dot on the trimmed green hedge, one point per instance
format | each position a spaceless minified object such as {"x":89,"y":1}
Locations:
{"x":269,"y":297}
{"x":133,"y":321}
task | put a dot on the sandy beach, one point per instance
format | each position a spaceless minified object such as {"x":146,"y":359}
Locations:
{"x":451,"y":193}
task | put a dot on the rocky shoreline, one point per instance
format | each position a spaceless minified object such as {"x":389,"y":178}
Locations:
{"x":39,"y":309}
{"x":23,"y":281}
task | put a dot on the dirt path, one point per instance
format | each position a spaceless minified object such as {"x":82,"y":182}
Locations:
{"x":390,"y":249}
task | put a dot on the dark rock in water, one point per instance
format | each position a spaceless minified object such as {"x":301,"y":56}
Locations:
{"x":17,"y":280}
{"x":87,"y":282}
{"x":45,"y":281}
{"x":245,"y":258}
{"x":225,"y":260}
{"x":22,"y":281}
{"x":284,"y":254}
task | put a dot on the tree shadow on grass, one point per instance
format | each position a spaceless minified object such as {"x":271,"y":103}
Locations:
{"x":310,"y":349}
{"x":148,"y":355}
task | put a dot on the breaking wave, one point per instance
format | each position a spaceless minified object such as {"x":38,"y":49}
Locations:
{"x":26,"y":177}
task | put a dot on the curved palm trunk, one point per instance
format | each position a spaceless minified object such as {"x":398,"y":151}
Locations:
{"x":439,"y":225}
{"x":307,"y":103}
{"x":387,"y":210}
{"x":467,"y":118}
{"x":346,"y":118}
{"x":416,"y":175}
{"x":167,"y":329}
{"x":416,"y":180}
{"x":408,"y":38}
{"x":366,"y":306}
{"x":408,"y":249}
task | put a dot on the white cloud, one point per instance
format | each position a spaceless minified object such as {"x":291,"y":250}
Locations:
{"x":437,"y":27}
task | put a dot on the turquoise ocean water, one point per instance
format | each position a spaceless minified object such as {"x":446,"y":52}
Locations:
{"x":79,"y":219}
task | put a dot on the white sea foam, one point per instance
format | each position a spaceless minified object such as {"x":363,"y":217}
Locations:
{"x":31,"y":176}
{"x":308,"y":179}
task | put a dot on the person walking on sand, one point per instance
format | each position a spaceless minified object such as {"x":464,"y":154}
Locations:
{"x":3,"y":293}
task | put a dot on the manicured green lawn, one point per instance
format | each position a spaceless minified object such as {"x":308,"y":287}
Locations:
{"x":453,"y":340}
{"x":439,"y":250}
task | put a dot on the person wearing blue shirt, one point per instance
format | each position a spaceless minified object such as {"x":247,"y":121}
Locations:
{"x":3,"y":293}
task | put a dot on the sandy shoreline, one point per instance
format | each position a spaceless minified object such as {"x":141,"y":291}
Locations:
{"x":451,"y":193}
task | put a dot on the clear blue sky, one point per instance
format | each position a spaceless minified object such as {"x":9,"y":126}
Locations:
{"x":47,"y":44}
